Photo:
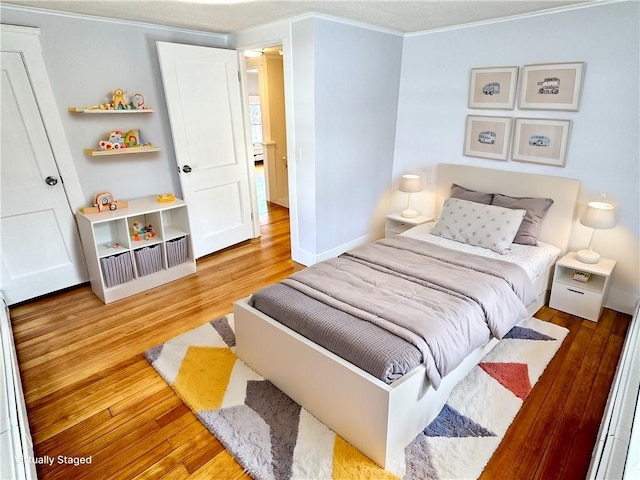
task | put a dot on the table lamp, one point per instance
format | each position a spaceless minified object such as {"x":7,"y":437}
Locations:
{"x":598,"y":215}
{"x":410,"y":184}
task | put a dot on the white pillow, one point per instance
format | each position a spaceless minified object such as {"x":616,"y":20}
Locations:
{"x":476,"y":224}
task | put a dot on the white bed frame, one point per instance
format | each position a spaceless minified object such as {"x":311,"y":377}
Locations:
{"x":380,"y":419}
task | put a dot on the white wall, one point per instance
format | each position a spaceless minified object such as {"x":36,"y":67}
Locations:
{"x":346,"y":81}
{"x":604,"y":142}
{"x":86,"y":59}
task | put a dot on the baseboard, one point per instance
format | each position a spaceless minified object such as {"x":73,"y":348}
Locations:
{"x":308,"y":258}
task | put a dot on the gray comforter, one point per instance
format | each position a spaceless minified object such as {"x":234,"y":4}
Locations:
{"x":446,"y":303}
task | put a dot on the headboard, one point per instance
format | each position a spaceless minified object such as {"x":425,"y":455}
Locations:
{"x":557,"y":223}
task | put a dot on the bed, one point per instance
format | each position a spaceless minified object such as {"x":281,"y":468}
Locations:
{"x":378,"y":416}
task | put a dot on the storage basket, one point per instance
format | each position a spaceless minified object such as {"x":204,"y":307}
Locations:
{"x":117,"y":269}
{"x":148,"y":260}
{"x":176,"y":251}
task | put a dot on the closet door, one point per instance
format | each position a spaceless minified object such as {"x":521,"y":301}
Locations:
{"x":39,"y":241}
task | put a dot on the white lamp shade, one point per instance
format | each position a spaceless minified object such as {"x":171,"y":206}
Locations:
{"x":410,"y":184}
{"x":599,"y":215}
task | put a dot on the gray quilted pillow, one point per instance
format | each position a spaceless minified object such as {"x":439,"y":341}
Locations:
{"x":486,"y":226}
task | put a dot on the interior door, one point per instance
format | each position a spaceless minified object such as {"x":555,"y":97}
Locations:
{"x":202,"y":89}
{"x":272,"y":91}
{"x":40,"y":246}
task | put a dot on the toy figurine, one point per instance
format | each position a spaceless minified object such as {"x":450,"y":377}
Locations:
{"x":137,"y":102}
{"x":118,"y":99}
{"x":115,"y":141}
{"x":131,"y":138}
{"x":136,"y":228}
{"x":149,"y":233}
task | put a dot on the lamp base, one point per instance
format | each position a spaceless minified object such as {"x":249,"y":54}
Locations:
{"x":409,"y":213}
{"x":587,"y":256}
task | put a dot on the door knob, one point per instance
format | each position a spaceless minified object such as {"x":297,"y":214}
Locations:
{"x":186,"y":168}
{"x":51,"y":181}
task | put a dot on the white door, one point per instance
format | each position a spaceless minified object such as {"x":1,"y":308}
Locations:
{"x":202,"y":89}
{"x":40,"y":246}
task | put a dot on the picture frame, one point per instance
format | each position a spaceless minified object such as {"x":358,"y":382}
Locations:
{"x":540,"y":140}
{"x":493,"y":87}
{"x":488,"y":137}
{"x":551,"y":86}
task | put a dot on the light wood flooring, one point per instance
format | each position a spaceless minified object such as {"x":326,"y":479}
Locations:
{"x":90,"y":392}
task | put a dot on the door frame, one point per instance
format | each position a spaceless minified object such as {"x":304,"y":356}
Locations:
{"x":26,"y":41}
{"x":285,"y":42}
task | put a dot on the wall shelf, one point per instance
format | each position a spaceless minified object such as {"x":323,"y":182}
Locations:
{"x":120,"y":151}
{"x":97,"y":110}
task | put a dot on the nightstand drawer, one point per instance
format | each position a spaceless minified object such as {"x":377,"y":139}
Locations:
{"x":576,"y":301}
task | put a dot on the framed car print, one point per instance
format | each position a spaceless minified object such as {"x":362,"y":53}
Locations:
{"x":551,"y":86}
{"x":539,"y":140}
{"x":487,"y":137}
{"x":493,"y":87}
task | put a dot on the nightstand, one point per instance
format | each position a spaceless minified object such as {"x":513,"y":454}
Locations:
{"x":582,"y":299}
{"x":395,"y":223}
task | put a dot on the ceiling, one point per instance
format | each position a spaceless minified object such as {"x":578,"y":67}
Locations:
{"x":226,"y":16}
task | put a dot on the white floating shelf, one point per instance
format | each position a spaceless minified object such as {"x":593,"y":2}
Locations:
{"x":121,"y":151}
{"x":97,"y":110}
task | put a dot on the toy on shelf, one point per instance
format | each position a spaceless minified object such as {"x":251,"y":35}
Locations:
{"x":166,"y":197}
{"x":103,"y":202}
{"x":132,"y":138}
{"x":117,"y":140}
{"x":118,"y":101}
{"x":117,"y":104}
{"x":138,"y":230}
{"x":137,"y":101}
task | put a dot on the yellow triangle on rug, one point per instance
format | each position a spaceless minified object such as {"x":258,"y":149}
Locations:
{"x":273,"y":437}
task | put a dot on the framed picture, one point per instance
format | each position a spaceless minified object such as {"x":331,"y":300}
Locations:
{"x":487,"y":137}
{"x":493,"y":87}
{"x":539,"y":140}
{"x":551,"y":86}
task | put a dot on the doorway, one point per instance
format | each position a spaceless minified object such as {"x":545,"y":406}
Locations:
{"x":265,"y":91}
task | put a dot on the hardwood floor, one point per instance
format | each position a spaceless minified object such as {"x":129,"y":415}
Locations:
{"x":91,"y":393}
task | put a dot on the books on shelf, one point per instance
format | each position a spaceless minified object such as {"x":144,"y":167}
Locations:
{"x":582,"y":277}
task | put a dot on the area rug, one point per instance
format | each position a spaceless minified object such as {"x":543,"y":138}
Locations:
{"x":272,"y":437}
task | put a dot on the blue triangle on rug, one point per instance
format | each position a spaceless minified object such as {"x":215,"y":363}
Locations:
{"x":451,"y":423}
{"x":523,"y":333}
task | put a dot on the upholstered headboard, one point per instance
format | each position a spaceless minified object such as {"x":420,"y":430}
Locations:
{"x":558,"y":222}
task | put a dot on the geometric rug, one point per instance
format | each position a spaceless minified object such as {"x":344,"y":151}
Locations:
{"x":272,"y":437}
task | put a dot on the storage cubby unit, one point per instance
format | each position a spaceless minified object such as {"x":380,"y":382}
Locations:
{"x":133,"y":249}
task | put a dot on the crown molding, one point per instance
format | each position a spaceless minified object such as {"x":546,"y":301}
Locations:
{"x":133,"y":23}
{"x":551,"y":11}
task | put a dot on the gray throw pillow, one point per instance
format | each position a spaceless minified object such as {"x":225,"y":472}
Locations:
{"x":536,"y":209}
{"x":470,"y":195}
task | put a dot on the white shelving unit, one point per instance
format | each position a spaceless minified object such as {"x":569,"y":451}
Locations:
{"x":121,"y":266}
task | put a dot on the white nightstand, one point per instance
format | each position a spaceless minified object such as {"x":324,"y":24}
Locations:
{"x":583,"y":299}
{"x":395,"y":223}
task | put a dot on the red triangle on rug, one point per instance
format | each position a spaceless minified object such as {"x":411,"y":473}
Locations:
{"x":512,"y":376}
